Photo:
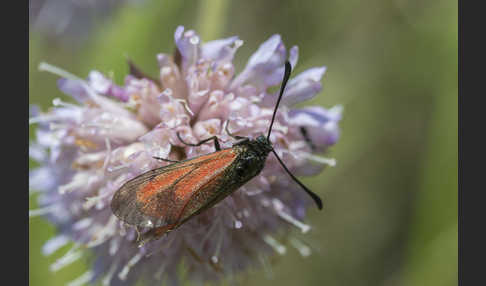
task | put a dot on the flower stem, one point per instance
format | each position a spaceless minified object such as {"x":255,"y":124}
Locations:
{"x":212,"y":18}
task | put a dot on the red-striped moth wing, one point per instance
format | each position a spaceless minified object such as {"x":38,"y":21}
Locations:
{"x":171,"y":194}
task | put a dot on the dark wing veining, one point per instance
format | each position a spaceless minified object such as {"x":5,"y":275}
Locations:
{"x":158,"y":197}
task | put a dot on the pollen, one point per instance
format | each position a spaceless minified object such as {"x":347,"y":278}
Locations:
{"x":85,"y":143}
{"x":96,"y":165}
{"x":135,"y":97}
{"x":91,"y":103}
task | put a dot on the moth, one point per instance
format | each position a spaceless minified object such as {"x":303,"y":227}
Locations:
{"x":164,"y":198}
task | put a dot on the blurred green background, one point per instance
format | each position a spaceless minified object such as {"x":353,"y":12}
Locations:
{"x":391,"y":201}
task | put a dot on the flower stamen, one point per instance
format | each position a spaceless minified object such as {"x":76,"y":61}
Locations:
{"x":54,"y":244}
{"x":107,"y":278}
{"x":82,"y":280}
{"x":105,"y":233}
{"x":186,"y":105}
{"x":124,"y":272}
{"x":158,"y":274}
{"x":303,"y":249}
{"x":58,"y":102}
{"x":41,"y":211}
{"x":304,"y":228}
{"x":82,"y":223}
{"x":319,"y":159}
{"x":277,"y":246}
{"x":114,"y":245}
{"x":78,"y":181}
{"x":279,"y":208}
{"x":108,"y":155}
{"x":71,"y":256}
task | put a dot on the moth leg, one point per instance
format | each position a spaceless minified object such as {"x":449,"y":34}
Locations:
{"x":216,"y":142}
{"x":153,"y":234}
{"x":166,"y":160}
{"x":231,"y":135}
{"x":138,"y":233}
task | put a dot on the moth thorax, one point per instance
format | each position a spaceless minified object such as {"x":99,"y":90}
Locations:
{"x":250,"y":161}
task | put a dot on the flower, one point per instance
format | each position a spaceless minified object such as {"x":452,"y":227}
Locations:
{"x":71,"y":21}
{"x":87,"y":150}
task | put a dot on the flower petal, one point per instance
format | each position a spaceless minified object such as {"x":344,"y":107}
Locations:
{"x":103,"y":85}
{"x":42,"y":179}
{"x":73,"y":88}
{"x":157,"y":142}
{"x":294,"y":56}
{"x":172,"y":112}
{"x":304,"y":86}
{"x":321,"y":125}
{"x":265,"y":66}
{"x":163,"y":60}
{"x":207,"y":128}
{"x":99,"y":82}
{"x":221,"y":50}
{"x":188,"y":45}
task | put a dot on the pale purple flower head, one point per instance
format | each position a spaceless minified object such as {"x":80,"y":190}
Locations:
{"x":89,"y":149}
{"x":71,"y":21}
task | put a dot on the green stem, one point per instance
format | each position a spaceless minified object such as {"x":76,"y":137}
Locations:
{"x":137,"y":32}
{"x":432,"y":250}
{"x":212,"y":19}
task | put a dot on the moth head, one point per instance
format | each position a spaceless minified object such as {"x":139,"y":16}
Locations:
{"x":264,"y":143}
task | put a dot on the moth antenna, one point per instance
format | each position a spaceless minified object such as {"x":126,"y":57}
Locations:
{"x":288,"y":69}
{"x":314,"y":196}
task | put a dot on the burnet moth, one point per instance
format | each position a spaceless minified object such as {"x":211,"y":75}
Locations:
{"x":164,"y":198}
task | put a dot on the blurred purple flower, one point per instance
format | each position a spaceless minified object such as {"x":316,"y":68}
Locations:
{"x":70,"y":20}
{"x":88,"y":150}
